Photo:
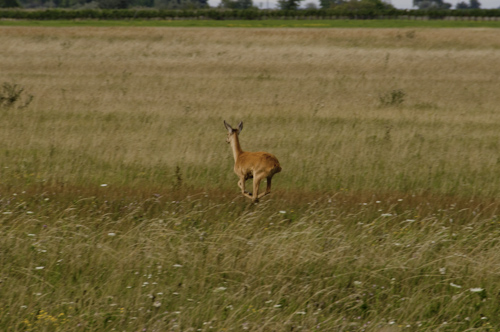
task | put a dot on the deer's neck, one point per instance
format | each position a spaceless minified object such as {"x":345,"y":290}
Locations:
{"x":235,"y":146}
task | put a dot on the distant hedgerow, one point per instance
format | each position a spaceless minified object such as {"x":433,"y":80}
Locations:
{"x":116,"y":10}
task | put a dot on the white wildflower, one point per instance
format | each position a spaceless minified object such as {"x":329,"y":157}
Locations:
{"x":455,"y":285}
{"x":476,"y":290}
{"x":220,"y":289}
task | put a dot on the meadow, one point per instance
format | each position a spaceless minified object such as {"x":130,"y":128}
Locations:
{"x":266,"y":23}
{"x":119,"y":208}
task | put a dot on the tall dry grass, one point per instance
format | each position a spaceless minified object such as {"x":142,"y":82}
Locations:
{"x":119,"y":209}
{"x":127,"y":106}
{"x":202,"y":265}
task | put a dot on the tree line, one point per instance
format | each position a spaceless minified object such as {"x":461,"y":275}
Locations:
{"x":242,"y":14}
{"x":338,"y":5}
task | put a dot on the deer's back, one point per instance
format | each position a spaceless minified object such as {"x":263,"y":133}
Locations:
{"x":250,"y":162}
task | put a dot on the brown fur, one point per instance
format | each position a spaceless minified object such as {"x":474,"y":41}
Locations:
{"x":247,"y":165}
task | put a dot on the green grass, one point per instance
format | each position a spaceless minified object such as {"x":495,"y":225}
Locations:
{"x":390,"y":23}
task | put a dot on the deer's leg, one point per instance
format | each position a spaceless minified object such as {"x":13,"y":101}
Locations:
{"x":255,"y":194}
{"x":256,"y":183}
{"x":268,"y":188}
{"x":241,"y":184}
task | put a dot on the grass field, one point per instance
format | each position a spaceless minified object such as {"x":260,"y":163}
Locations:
{"x":340,"y":23}
{"x":119,"y":209}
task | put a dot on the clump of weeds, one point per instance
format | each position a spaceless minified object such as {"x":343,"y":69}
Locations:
{"x":393,"y":98}
{"x":11,"y":95}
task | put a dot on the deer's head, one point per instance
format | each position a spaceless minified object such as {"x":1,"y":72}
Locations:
{"x":231,"y":133}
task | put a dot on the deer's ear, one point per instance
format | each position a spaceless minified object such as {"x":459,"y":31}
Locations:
{"x":228,"y":127}
{"x":240,"y":127}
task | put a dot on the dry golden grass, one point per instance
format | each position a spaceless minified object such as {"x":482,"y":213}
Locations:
{"x":122,"y":105}
{"x":202,"y":265}
{"x":120,"y":209}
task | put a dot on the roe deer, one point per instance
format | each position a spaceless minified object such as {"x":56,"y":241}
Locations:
{"x":247,"y":165}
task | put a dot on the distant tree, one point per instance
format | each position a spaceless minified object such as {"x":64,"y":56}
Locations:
{"x":113,"y":4}
{"x":355,"y":4}
{"x":142,"y":3}
{"x":180,"y":4}
{"x":199,"y":3}
{"x":431,"y":4}
{"x":325,"y":4}
{"x":9,"y":4}
{"x":236,"y":4}
{"x":473,"y":4}
{"x":289,"y":4}
{"x":311,"y":5}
